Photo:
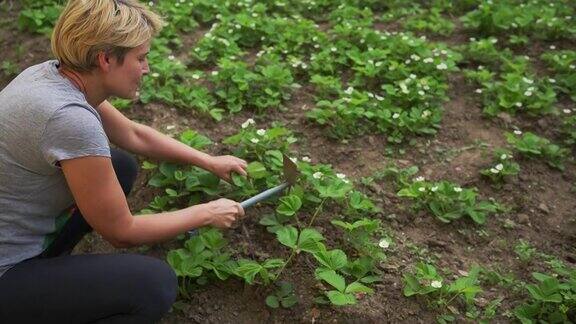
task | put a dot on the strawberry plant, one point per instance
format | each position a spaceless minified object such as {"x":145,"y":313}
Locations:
{"x":534,"y":146}
{"x":563,"y":65}
{"x":283,"y":296}
{"x":552,"y":300}
{"x":502,"y":166}
{"x":448,"y":201}
{"x":39,"y":16}
{"x":426,"y":281}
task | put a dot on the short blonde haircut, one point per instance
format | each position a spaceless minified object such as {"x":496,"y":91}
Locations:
{"x":87,"y":27}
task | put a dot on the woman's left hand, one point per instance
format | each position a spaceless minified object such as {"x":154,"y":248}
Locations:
{"x":224,"y":165}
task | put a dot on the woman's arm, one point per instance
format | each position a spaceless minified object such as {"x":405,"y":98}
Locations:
{"x":144,"y":140}
{"x":99,"y":197}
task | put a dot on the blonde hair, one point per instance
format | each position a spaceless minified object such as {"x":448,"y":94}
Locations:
{"x":87,"y":27}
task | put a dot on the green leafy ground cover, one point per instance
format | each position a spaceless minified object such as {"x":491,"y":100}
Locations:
{"x":369,"y":69}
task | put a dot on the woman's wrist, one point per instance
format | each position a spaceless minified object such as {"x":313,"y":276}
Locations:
{"x":201,"y":215}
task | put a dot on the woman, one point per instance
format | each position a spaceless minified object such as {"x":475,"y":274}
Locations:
{"x":59,"y":179}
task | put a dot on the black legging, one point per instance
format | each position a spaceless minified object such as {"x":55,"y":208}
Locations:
{"x":56,"y":287}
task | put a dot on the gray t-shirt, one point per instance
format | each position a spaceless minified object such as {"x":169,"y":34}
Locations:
{"x":43,"y":119}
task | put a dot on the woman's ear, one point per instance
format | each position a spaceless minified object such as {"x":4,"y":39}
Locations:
{"x":103,"y":60}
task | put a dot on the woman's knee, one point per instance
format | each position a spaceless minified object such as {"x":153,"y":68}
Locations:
{"x":126,"y":168}
{"x":157,"y":285}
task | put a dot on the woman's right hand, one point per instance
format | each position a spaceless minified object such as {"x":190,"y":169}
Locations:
{"x":223,"y":212}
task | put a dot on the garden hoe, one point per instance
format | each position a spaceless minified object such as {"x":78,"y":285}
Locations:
{"x":290,"y":176}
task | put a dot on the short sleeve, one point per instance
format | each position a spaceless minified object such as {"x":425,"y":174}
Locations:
{"x":71,"y":132}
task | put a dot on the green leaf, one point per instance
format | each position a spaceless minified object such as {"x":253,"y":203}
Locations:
{"x":334,"y":259}
{"x":334,"y":279}
{"x":272,"y":301}
{"x":288,"y":236}
{"x":256,"y":170}
{"x":357,"y":287}
{"x":340,"y":299}
{"x":289,"y":205}
{"x":248,"y":270}
{"x":148,"y":165}
{"x":308,"y":240}
{"x":213,"y":239}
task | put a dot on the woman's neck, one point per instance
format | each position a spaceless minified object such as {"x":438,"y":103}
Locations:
{"x":84,"y":84}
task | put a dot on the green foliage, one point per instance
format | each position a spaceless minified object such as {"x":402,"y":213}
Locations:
{"x":283,"y":296}
{"x":538,"y":19}
{"x":534,"y":146}
{"x":524,"y":251}
{"x":563,"y":65}
{"x":39,"y":16}
{"x":426,"y":281}
{"x":448,"y":201}
{"x":552,"y":300}
{"x":502,"y":167}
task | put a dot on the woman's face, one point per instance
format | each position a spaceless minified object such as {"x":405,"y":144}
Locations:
{"x":124,"y":80}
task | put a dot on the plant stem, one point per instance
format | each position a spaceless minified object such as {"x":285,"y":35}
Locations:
{"x":316,"y":212}
{"x":294,"y":250}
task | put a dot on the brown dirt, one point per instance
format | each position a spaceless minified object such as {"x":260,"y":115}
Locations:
{"x":541,"y":200}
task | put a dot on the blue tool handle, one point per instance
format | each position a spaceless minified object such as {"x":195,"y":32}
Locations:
{"x":256,"y":199}
{"x":263,"y":195}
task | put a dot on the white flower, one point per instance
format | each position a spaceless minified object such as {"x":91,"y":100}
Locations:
{"x":528,"y":93}
{"x":412,"y":76}
{"x":261,"y":132}
{"x":419,"y":179}
{"x":572,"y":66}
{"x":442,"y":66}
{"x":499,"y":167}
{"x":379,"y":98}
{"x":433,"y":189}
{"x":567,"y":111}
{"x":494,"y":170}
{"x":472,"y":39}
{"x":503,"y":157}
{"x":552,"y":47}
{"x":214,"y":73}
{"x":318,"y":175}
{"x":340,"y":175}
{"x":195,"y":76}
{"x":306,"y":159}
{"x":426,"y":113}
{"x":396,"y":115}
{"x":155,"y":75}
{"x":171,"y":57}
{"x":436,"y":284}
{"x":457,"y":189}
{"x":518,"y":104}
{"x":349,"y":90}
{"x":248,"y":122}
{"x":254,"y":140}
{"x":518,"y":132}
{"x":527,"y":80}
{"x":333,"y":49}
{"x":384,"y":243}
{"x":404,"y":88}
{"x":421,"y":92}
{"x":552,"y":80}
{"x":428,"y":60}
{"x":170,"y":127}
{"x":478,"y":90}
{"x":422,"y":189}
